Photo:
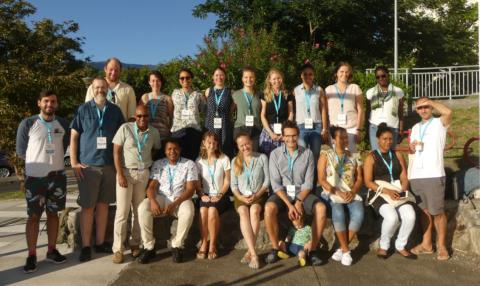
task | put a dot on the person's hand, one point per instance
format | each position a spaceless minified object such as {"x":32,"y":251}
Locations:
{"x":155,"y":208}
{"x":77,"y":169}
{"x":216,"y":198}
{"x":412,"y":145}
{"x":205,"y":198}
{"x":392,"y":194}
{"x":348,"y":197}
{"x":324,"y":135}
{"x":247,"y":199}
{"x":299,"y":207}
{"x":292,"y":212}
{"x":307,"y":247}
{"x":170,"y":208}
{"x":122,"y":181}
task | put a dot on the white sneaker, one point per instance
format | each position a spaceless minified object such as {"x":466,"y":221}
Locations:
{"x":347,"y":259}
{"x":337,"y":256}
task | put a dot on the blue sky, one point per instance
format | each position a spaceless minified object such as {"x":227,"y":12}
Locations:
{"x":138,"y":32}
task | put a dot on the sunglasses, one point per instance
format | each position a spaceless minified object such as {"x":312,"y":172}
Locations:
{"x":141,"y":115}
{"x":184,"y":78}
{"x":308,"y":74}
{"x":381,"y":76}
{"x":423,"y":107}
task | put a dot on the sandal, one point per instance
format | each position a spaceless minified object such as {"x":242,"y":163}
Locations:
{"x":419,"y":250}
{"x":254,"y":262}
{"x":442,"y":254}
{"x":212,"y":255}
{"x":201,"y":255}
{"x":246,"y":258}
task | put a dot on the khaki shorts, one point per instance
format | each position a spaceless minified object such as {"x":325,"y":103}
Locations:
{"x":97,"y":186}
{"x":430,"y":194}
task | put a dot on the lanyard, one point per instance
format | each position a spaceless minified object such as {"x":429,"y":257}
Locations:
{"x":249,"y":101}
{"x":140,"y":143}
{"x":341,"y":96}
{"x":277,"y":104}
{"x":212,"y":172}
{"x":248,"y":171}
{"x":390,"y":165}
{"x":422,"y":134}
{"x":187,"y":97}
{"x":291,"y":160}
{"x":385,"y":97}
{"x":308,"y":99}
{"x":48,"y":125}
{"x":341,"y":163}
{"x":111,"y":95}
{"x":171,"y":175}
{"x":153,"y":106}
{"x":100,"y":114}
{"x":218,"y":98}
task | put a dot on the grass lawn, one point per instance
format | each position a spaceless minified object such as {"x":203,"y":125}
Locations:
{"x":12,"y":195}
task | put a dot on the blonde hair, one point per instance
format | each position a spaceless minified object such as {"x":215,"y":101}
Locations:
{"x":238,"y":160}
{"x":268,"y":90}
{"x":203,"y":151}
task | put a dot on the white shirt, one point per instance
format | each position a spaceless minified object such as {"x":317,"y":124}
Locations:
{"x":213,"y":187}
{"x":385,"y":111}
{"x":429,"y":162}
{"x":301,"y":104}
{"x":184,"y":171}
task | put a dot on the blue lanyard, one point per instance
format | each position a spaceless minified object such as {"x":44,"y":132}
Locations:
{"x":249,"y":101}
{"x":341,"y":96}
{"x":140,"y":143}
{"x":218,"y":98}
{"x":422,"y":134}
{"x":248,"y":171}
{"x":48,"y":125}
{"x":291,"y":160}
{"x":389,"y":166}
{"x":187,"y":96}
{"x":277,"y":104}
{"x":341,"y":164}
{"x":111,"y":95}
{"x":308,"y":98}
{"x":100,"y":114}
{"x":212,"y":172}
{"x":171,"y":175}
{"x":153,"y":107}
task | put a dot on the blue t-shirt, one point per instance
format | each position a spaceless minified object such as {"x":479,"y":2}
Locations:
{"x":86,"y":122}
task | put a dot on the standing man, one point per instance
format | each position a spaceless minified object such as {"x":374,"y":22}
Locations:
{"x":386,"y":105}
{"x":291,"y":174}
{"x":42,"y":141}
{"x":427,"y":175}
{"x":169,"y":193}
{"x":91,"y":154}
{"x":119,"y":92}
{"x":132,"y":152}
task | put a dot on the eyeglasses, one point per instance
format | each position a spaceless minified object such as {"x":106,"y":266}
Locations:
{"x":423,"y":107}
{"x":184,"y":78}
{"x":381,"y":76}
{"x":141,"y":115}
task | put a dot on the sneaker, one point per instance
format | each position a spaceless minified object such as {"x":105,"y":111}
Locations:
{"x":135,"y":250}
{"x":347,"y":259}
{"x":103,"y":248}
{"x":117,"y":257}
{"x":56,"y":257}
{"x":85,"y":254}
{"x":282,"y":255}
{"x":146,"y":255}
{"x":302,"y":262}
{"x":315,"y":260}
{"x":272,"y":257}
{"x":177,"y":255}
{"x":337,"y":256}
{"x":31,"y":264}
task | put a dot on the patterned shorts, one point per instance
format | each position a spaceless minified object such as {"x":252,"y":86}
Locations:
{"x":46,"y":192}
{"x":267,"y":145}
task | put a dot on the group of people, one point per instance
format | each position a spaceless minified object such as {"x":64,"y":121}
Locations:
{"x":264,"y":148}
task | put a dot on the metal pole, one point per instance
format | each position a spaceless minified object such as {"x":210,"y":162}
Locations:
{"x":395,"y":42}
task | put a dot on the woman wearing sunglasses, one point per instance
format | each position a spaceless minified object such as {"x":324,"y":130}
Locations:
{"x":187,"y":104}
{"x":386,"y":105}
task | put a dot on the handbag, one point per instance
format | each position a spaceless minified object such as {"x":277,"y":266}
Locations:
{"x":341,"y":185}
{"x":396,"y":186}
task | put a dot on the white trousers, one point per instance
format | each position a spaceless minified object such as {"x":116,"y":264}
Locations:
{"x":390,"y":224}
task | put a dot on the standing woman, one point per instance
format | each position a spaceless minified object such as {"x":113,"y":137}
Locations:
{"x":277,"y":106}
{"x":219,"y":105}
{"x":159,"y":105}
{"x":187,"y":104}
{"x":387,"y":165}
{"x":250,"y":183}
{"x":345,"y":104}
{"x":247,"y":105}
{"x":311,"y":112}
{"x":386,"y":105}
{"x":214,"y":169}
{"x":340,"y":175}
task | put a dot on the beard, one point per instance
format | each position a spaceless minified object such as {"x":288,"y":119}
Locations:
{"x":48,"y":111}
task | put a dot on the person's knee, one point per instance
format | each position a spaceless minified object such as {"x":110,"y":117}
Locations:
{"x":271,"y":209}
{"x":212,"y":213}
{"x":320,"y":210}
{"x":34,"y":218}
{"x":242,"y":211}
{"x":391,"y":219}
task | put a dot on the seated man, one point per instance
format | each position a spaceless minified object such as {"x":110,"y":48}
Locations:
{"x":292,"y":191}
{"x":169,"y":192}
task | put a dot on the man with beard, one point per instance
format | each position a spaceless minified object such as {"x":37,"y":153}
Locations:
{"x":41,"y":141}
{"x":119,"y":92}
{"x":91,"y":154}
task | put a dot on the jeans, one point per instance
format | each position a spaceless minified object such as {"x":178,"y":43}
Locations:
{"x":355,"y":210}
{"x":372,"y":134}
{"x":390,"y":224}
{"x":311,"y":138}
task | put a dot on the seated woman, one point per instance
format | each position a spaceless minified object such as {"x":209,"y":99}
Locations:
{"x":340,"y":175}
{"x":214,"y":170}
{"x":385,"y":173}
{"x":250,"y":182}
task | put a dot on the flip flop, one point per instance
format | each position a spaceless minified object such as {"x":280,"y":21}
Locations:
{"x":419,"y":250}
{"x":201,"y":255}
{"x":254,"y":262}
{"x":212,"y":255}
{"x":246,"y":258}
{"x":442,"y":254}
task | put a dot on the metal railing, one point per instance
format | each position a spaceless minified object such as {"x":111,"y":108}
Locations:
{"x":440,"y":82}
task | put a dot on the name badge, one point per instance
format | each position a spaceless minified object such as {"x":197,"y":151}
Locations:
{"x":308,"y":123}
{"x":291,"y":192}
{"x":101,"y":143}
{"x":249,"y":120}
{"x":277,"y":128}
{"x":342,"y":119}
{"x":217,"y":123}
{"x":50,"y":148}
{"x":247,"y":193}
{"x":186,"y":114}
